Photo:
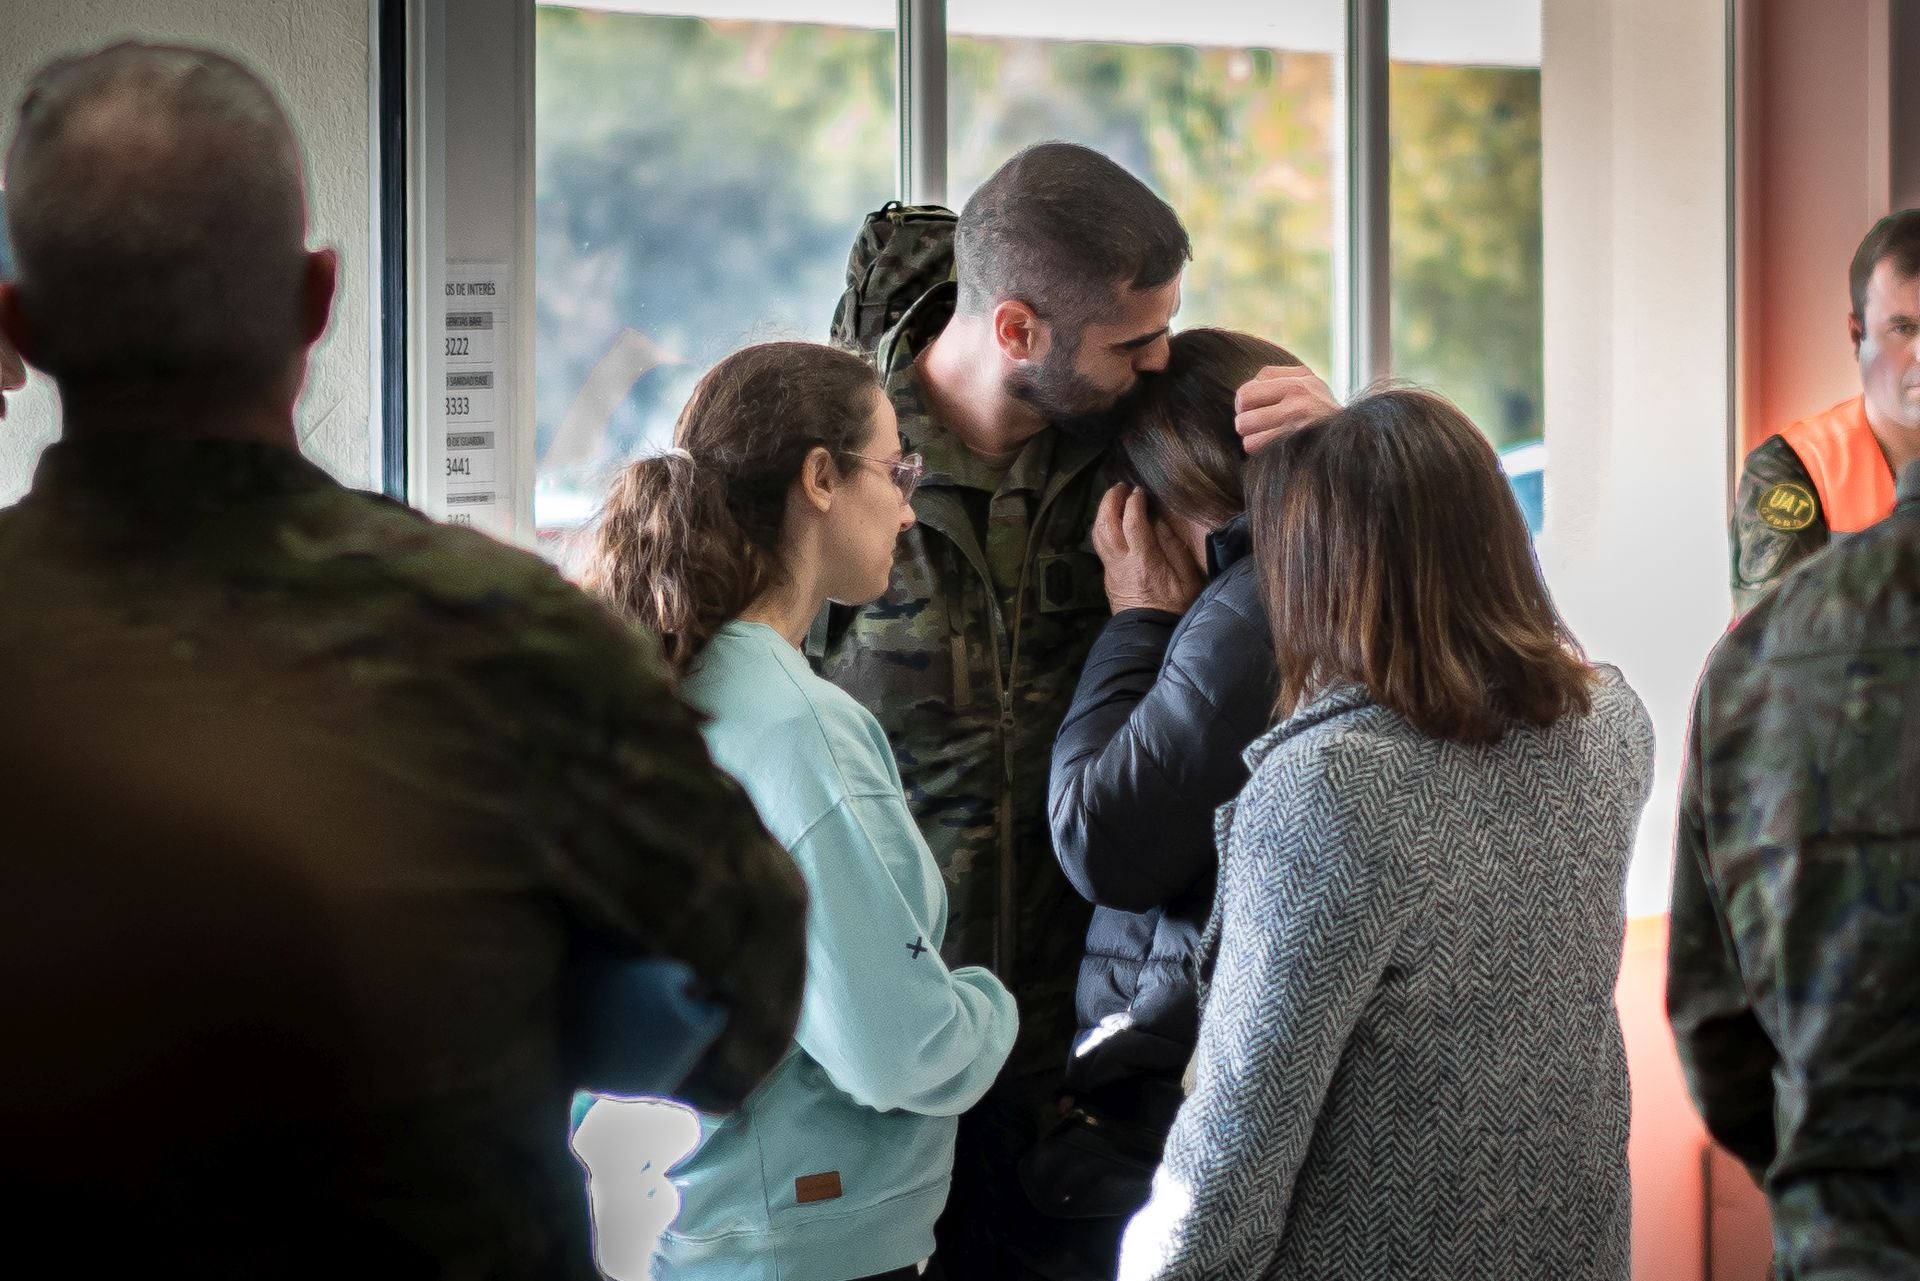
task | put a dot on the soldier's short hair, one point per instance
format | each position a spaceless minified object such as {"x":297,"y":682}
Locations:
{"x":1062,"y":228}
{"x":1896,"y":237}
{"x":158,"y":217}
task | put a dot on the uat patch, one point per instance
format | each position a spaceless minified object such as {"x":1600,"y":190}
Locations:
{"x":809,"y":1188}
{"x":1787,"y":506}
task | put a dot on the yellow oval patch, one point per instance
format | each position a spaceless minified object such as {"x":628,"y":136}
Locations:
{"x":1787,"y":506}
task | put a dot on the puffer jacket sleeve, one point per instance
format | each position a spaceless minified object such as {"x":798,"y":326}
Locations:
{"x":1152,"y":744}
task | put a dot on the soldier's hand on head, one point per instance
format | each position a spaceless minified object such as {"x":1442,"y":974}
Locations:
{"x":1147,"y":565}
{"x":1277,"y":400}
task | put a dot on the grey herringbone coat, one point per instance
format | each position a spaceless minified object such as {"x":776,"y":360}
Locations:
{"x":1410,"y":1065}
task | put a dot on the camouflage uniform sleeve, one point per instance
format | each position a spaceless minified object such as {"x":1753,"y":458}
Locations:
{"x":1727,"y":1057}
{"x":1836,"y":912}
{"x":663,"y":855}
{"x":1777,"y":521}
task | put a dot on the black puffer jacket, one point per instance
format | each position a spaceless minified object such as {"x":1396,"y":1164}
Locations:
{"x":1150,"y":748}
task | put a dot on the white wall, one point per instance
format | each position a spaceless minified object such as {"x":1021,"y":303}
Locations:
{"x":1634,"y":141}
{"x":315,"y":54}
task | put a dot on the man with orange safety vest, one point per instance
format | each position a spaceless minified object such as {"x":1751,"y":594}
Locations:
{"x":1834,"y":473}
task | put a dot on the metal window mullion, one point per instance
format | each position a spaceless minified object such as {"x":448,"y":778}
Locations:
{"x":426,"y":257}
{"x":920,"y":69}
{"x":1369,"y":346}
{"x":390,"y":234}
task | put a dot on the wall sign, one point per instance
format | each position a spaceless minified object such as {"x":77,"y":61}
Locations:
{"x":477,"y":462}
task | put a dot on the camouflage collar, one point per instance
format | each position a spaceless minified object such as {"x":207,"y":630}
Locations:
{"x":173,"y":469}
{"x":952,"y":464}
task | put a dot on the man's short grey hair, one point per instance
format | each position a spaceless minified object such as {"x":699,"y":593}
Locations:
{"x":159,"y":221}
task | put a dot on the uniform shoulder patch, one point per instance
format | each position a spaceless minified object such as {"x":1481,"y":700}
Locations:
{"x":1787,"y":506}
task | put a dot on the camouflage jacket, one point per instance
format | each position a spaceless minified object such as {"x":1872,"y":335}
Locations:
{"x":1777,"y":522}
{"x":969,"y":662}
{"x":1796,"y":903}
{"x":505,"y":803}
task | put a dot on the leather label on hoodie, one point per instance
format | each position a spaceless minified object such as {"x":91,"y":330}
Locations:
{"x":809,"y":1188}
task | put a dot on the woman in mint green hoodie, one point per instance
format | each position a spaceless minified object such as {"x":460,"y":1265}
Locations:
{"x":787,"y":488}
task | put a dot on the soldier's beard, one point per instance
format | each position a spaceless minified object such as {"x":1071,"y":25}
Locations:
{"x":1074,"y":403}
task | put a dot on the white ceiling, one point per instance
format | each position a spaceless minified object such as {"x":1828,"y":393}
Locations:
{"x":1484,"y":32}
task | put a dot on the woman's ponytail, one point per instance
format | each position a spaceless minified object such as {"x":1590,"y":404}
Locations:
{"x":668,"y":554}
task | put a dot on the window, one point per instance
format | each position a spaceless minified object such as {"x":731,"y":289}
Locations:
{"x":1464,"y":219}
{"x":702,"y":165}
{"x":698,"y":182}
{"x":1234,"y":129}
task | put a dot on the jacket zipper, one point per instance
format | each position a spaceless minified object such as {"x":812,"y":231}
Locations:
{"x":1006,"y":933}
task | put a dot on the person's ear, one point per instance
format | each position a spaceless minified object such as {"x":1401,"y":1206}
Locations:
{"x":14,"y":329}
{"x":1019,"y":332}
{"x":1855,"y":333}
{"x":818,"y":480}
{"x":319,"y":278}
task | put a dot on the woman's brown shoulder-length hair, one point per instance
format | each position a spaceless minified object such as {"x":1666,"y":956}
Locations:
{"x":1392,"y":555}
{"x":1182,"y":448}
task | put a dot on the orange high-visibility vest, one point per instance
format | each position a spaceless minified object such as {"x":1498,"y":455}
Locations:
{"x":1841,"y":454}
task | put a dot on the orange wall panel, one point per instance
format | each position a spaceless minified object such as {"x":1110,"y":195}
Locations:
{"x":1815,"y":154}
{"x":1667,"y":1145}
{"x":1697,"y":1216}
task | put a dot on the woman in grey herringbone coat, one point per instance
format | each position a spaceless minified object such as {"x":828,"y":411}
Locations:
{"x":1409,"y":1063}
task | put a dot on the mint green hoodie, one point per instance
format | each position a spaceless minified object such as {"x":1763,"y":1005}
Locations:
{"x":837,"y":1167}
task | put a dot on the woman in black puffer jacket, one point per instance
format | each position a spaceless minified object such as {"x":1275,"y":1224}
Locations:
{"x":1169,"y":698}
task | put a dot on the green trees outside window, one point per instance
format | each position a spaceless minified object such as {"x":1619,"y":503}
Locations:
{"x":699,"y":182}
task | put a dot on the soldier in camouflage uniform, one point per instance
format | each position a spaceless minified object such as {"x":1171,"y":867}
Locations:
{"x":516,"y":849}
{"x":1796,"y":904}
{"x":1009,"y":383}
{"x":1831,"y":475}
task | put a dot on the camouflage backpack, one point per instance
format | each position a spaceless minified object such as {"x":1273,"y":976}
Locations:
{"x":900,"y":284}
{"x":900,"y":292}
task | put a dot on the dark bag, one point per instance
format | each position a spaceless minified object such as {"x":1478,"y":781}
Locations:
{"x":1092,"y":1166}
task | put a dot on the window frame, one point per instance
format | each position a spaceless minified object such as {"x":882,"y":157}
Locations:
{"x":389,"y":251}
{"x":409,"y":139}
{"x":1362,"y":296}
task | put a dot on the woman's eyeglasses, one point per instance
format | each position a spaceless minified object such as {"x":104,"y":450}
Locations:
{"x":906,"y":470}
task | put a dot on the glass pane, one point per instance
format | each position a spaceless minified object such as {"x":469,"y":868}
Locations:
{"x":1464,"y":125}
{"x":700,"y":174}
{"x":1230,"y":117}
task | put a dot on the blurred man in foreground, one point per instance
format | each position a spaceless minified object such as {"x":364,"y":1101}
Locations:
{"x":346,"y":845}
